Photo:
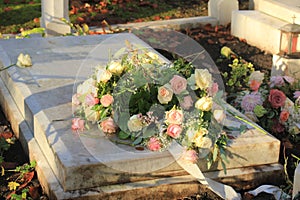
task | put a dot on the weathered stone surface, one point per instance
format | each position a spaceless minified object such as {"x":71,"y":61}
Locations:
{"x":222,"y":9}
{"x":285,"y":66}
{"x":42,"y":95}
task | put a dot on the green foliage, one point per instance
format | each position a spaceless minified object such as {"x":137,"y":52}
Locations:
{"x":239,"y":74}
{"x":26,"y":168}
{"x":21,"y":196}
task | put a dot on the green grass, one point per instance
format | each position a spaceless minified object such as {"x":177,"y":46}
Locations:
{"x":20,"y":15}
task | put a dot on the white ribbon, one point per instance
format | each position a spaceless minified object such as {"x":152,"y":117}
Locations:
{"x":224,"y":191}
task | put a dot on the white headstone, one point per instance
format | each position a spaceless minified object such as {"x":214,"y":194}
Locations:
{"x":222,"y":9}
{"x":296,"y":188}
{"x":52,"y":12}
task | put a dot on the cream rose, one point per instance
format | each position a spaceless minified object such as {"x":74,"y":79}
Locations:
{"x":164,"y":95}
{"x":103,"y":75}
{"x":203,"y":78}
{"x":108,"y":126}
{"x":178,"y":84}
{"x":174,"y":116}
{"x":134,"y":124}
{"x":106,"y":100}
{"x":200,"y":138}
{"x":115,"y":68}
{"x":204,"y":103}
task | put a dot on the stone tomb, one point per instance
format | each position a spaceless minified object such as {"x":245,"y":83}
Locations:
{"x":37,"y":101}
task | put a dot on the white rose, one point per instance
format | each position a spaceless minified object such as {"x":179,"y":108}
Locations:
{"x":87,"y":87}
{"x":203,"y":78}
{"x":219,"y":115}
{"x":24,"y":60}
{"x":115,"y":68}
{"x":134,"y":124}
{"x":257,"y":76}
{"x":103,"y":75}
{"x":91,"y":115}
{"x":204,"y":103}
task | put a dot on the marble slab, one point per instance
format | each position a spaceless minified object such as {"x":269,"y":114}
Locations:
{"x":43,"y":95}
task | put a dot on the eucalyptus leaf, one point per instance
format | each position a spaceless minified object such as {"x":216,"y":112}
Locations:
{"x":122,"y":135}
{"x":137,"y":141}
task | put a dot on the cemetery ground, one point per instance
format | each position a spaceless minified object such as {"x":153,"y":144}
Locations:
{"x":211,"y":38}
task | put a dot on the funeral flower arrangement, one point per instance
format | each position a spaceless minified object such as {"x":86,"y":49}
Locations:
{"x":142,"y":101}
{"x":273,"y":103}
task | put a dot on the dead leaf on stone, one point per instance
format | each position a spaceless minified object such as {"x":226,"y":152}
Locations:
{"x":210,"y":41}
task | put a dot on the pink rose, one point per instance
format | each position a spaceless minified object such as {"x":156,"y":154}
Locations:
{"x":106,"y":100}
{"x":91,"y":100}
{"x":284,"y":116}
{"x":154,"y":144}
{"x":77,"y":124}
{"x":187,"y":102}
{"x":254,"y":85}
{"x":178,"y":84}
{"x":174,"y":130}
{"x":212,"y":91}
{"x":190,"y":156}
{"x":174,"y":116}
{"x":289,"y":79}
{"x":276,"y":98}
{"x":75,"y":99}
{"x":108,"y":126}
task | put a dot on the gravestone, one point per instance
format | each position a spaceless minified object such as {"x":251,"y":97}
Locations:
{"x":52,"y":12}
{"x":37,"y":101}
{"x":222,"y":10}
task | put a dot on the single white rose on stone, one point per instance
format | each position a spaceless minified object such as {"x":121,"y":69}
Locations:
{"x":203,"y":78}
{"x":24,"y":61}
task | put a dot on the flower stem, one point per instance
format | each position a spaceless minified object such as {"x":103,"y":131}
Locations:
{"x":4,"y":68}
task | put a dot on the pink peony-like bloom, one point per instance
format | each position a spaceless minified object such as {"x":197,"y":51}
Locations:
{"x":284,"y":116}
{"x":276,"y":81}
{"x":106,"y":100}
{"x":154,"y":144}
{"x":296,"y":94}
{"x":174,"y":116}
{"x":91,"y":100}
{"x":254,"y":85}
{"x":276,"y":98}
{"x":251,"y":100}
{"x":108,"y":126}
{"x":77,"y":124}
{"x":190,"y":156}
{"x":187,"y":102}
{"x":174,"y":130}
{"x":178,"y":84}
